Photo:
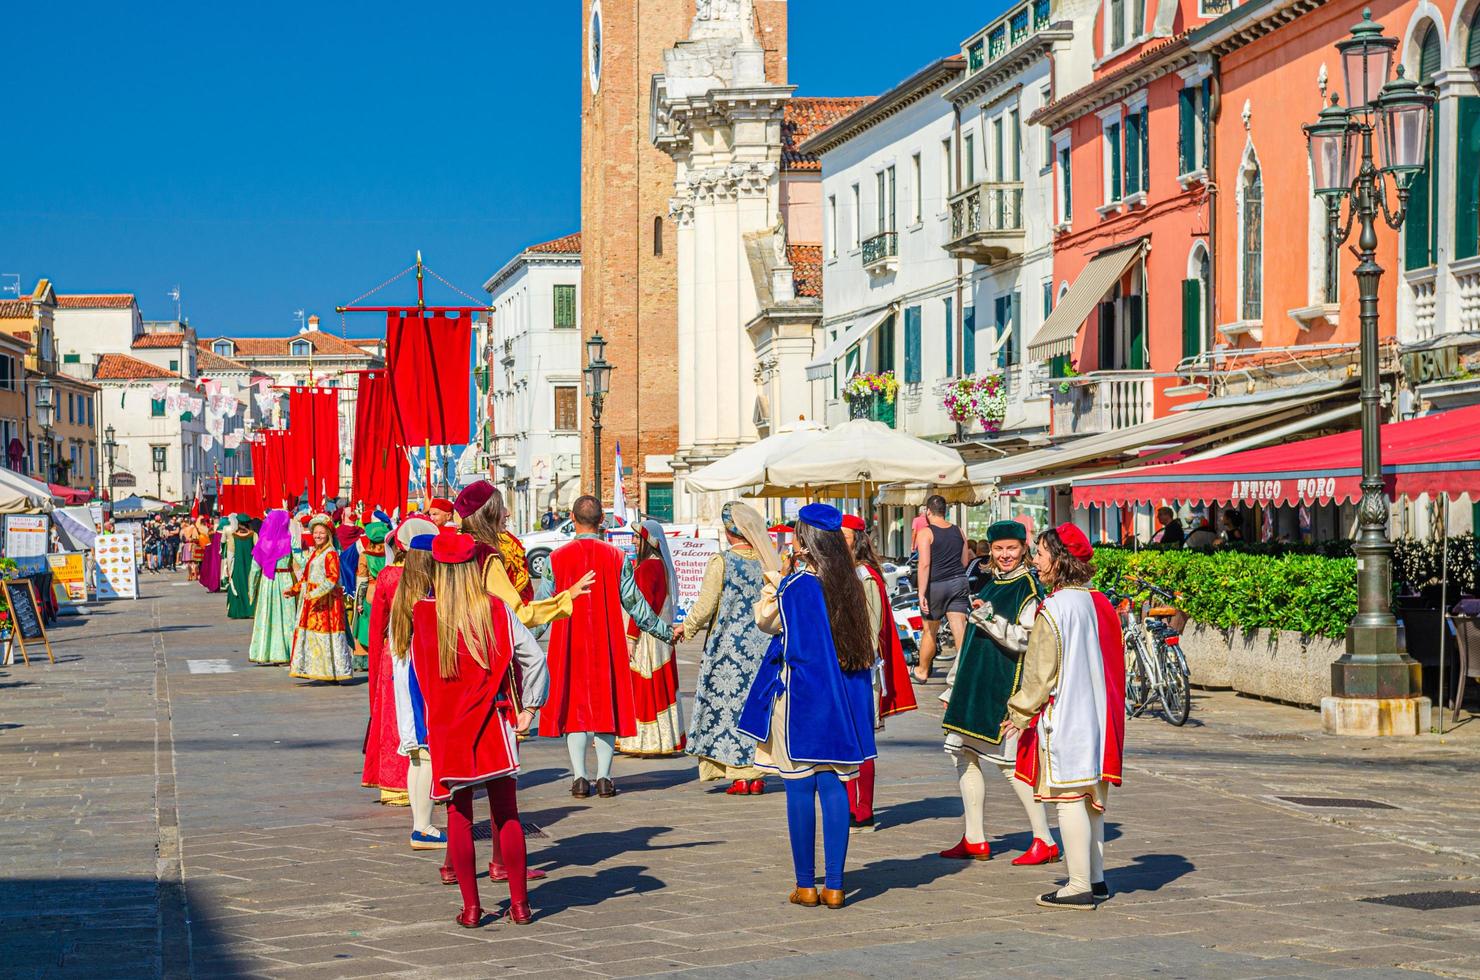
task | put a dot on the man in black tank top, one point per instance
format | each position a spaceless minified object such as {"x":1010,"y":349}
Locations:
{"x":943,"y":589}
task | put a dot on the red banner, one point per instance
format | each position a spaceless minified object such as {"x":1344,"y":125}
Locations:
{"x":428,"y":358}
{"x":313,"y":444}
{"x":270,"y":470}
{"x":379,"y":460}
{"x":241,"y":498}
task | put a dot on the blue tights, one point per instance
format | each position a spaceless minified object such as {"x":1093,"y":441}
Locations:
{"x":801,"y":821}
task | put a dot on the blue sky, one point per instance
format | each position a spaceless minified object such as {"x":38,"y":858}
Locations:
{"x":276,"y":157}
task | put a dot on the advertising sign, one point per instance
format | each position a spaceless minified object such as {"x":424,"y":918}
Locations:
{"x":69,"y":570}
{"x":117,"y":574}
{"x":27,"y":538}
{"x":690,"y":558}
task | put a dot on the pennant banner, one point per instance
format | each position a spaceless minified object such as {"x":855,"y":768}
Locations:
{"x":428,"y":358}
{"x":378,"y":455}
{"x":313,"y":443}
{"x":241,"y":498}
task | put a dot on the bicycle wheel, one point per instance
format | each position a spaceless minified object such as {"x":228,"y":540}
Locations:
{"x":1137,"y":684}
{"x":1176,"y":696}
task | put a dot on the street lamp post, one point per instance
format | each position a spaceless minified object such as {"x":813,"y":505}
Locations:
{"x":160,"y":461}
{"x":110,"y":447}
{"x":598,"y":380}
{"x":1374,"y":666}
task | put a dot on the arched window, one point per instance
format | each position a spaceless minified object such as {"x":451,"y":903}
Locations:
{"x":1195,"y":302}
{"x":1252,"y":245}
{"x":658,"y":235}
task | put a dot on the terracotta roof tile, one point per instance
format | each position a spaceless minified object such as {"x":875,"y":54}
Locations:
{"x":804,"y":118}
{"x":567,"y":244}
{"x":209,"y":362}
{"x":100,"y":301}
{"x":121,"y":367}
{"x":155,"y":341}
{"x":324,"y":344}
{"x":14,"y":309}
{"x":806,"y":268}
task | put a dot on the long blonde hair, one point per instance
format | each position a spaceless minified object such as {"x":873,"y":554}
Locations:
{"x":415,"y":585}
{"x":463,"y":610}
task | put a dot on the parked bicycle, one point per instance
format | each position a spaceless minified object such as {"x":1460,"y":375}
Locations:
{"x":1155,"y":667}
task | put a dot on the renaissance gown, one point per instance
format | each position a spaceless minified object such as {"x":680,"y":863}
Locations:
{"x":320,"y":643}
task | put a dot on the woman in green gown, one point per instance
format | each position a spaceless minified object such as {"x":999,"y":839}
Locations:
{"x":372,"y":560}
{"x":242,"y":574}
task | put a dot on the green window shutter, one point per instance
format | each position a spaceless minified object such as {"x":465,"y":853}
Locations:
{"x":1472,"y":52}
{"x":1136,"y":328}
{"x":156,"y":408}
{"x":1058,"y":366}
{"x":950,"y":338}
{"x":1186,"y":131}
{"x":1133,"y":153}
{"x":1015,"y":319}
{"x":912,"y":345}
{"x":1428,"y":57}
{"x":1001,"y":310}
{"x":1467,"y":173}
{"x":1146,"y":149}
{"x":968,"y":340}
{"x":886,"y":345}
{"x":1416,"y":227}
{"x":71,"y":358}
{"x":1112,"y":136}
{"x":1191,"y":317}
{"x":1207,"y":98}
{"x":565,"y":306}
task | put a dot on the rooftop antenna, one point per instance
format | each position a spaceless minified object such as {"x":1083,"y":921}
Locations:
{"x":174,"y":294}
{"x":298,"y":315}
{"x":13,"y":288}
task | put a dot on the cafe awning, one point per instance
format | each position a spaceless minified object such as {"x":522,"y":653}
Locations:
{"x":1057,"y":334}
{"x":1435,"y":454}
{"x":820,"y":367}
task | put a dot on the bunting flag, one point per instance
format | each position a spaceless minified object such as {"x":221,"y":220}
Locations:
{"x":207,"y":442}
{"x":232,"y":440}
{"x":313,"y":443}
{"x":378,"y":455}
{"x":270,"y":470}
{"x":158,"y":391}
{"x":428,"y":358}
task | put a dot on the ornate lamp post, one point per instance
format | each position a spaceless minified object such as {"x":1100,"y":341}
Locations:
{"x":160,"y":460}
{"x":110,"y":448}
{"x":1340,"y":142}
{"x":598,"y":380}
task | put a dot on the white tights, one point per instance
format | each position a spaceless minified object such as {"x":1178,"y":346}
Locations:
{"x":970,"y":774}
{"x":576,"y":744}
{"x":1083,"y":829}
{"x":419,"y":788}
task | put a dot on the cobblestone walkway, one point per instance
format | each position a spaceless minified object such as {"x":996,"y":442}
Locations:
{"x":170,"y":810}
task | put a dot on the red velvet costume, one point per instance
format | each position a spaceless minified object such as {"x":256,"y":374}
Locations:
{"x":590,"y":679}
{"x":654,"y":696}
{"x":385,"y":767}
{"x":897,"y":697}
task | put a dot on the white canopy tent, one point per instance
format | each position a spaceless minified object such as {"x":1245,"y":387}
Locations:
{"x":19,"y":494}
{"x":746,"y":467}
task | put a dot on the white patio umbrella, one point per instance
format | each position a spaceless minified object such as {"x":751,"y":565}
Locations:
{"x":746,"y":466}
{"x":19,"y":494}
{"x":857,"y":456}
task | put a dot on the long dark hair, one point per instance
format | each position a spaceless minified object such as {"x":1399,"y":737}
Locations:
{"x":847,"y":608}
{"x":487,"y":522}
{"x":864,"y":553}
{"x":1067,"y":570}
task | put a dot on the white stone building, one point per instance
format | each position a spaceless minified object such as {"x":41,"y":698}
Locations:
{"x":532,"y":403}
{"x":158,"y":454}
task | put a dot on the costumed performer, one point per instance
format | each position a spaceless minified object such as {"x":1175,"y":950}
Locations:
{"x":384,"y":767}
{"x":812,"y":705}
{"x":241,"y":574}
{"x":370,"y":561}
{"x":399,"y":589}
{"x":591,"y":696}
{"x":440,"y":511}
{"x":320,"y":643}
{"x":653,"y":664}
{"x":277,"y":614}
{"x":210,"y":559}
{"x":985,"y":676}
{"x":464,"y":643}
{"x":1070,"y":710}
{"x":894,"y":692}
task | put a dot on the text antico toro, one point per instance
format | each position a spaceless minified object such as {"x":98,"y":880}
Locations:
{"x":1306,"y":488}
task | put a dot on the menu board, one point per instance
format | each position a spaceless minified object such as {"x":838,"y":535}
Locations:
{"x":27,"y":539}
{"x":118,"y":576}
{"x":69,"y":570}
{"x":690,"y":558}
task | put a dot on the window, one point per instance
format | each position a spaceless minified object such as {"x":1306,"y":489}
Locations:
{"x":1136,"y":162}
{"x":947,"y":174}
{"x":1113,"y":183}
{"x":1117,"y":24}
{"x":1015,"y":130}
{"x":75,"y":453}
{"x":224,"y":348}
{"x":659,"y":501}
{"x":917,"y":199}
{"x":885,"y":187}
{"x":1420,"y":229}
{"x":567,"y":408}
{"x":1044,"y":98}
{"x":658,"y":235}
{"x":92,"y":460}
{"x":950,"y":337}
{"x":89,"y":410}
{"x":999,"y":152}
{"x":1192,"y":127}
{"x":71,"y":407}
{"x":1331,"y":274}
{"x":912,"y":345}
{"x":968,"y":340}
{"x":300,"y":348}
{"x":1047,"y":298}
{"x":71,"y":358}
{"x":969,"y":149}
{"x":156,"y":408}
{"x":1252,"y":245}
{"x":832,"y":226}
{"x":565,"y":306}
{"x":1008,"y":315}
{"x":7,"y":375}
{"x":175,"y":366}
{"x":1194,"y":291}
{"x":857,"y":215}
{"x":1066,"y":185}
{"x":884,"y":344}
{"x":1467,"y":164}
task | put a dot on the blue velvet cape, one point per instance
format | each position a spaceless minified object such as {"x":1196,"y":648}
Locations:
{"x":830,"y":716}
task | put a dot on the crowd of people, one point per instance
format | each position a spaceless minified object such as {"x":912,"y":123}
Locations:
{"x":467,"y":655}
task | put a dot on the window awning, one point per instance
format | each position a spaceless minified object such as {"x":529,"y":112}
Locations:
{"x":1434,"y":454}
{"x":820,"y":367}
{"x":1057,"y":334}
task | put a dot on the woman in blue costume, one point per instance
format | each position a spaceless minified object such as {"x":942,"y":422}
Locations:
{"x":811,"y":708}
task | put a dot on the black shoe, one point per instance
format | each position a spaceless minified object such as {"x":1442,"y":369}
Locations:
{"x":580,"y":788}
{"x":605,"y":789}
{"x":1083,"y":902}
{"x":861,"y":826}
{"x":1099,"y":890}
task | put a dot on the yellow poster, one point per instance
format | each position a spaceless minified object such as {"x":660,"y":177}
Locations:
{"x":69,"y":571}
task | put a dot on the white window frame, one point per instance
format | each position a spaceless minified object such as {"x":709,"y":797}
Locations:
{"x":1134,"y":104}
{"x":1192,"y":78}
{"x":1111,"y":117}
{"x":1050,"y":153}
{"x":968,"y":151}
{"x":1131,"y":37}
{"x":857,"y":218}
{"x":917,"y":194}
{"x":294,"y":348}
{"x":947,"y":174}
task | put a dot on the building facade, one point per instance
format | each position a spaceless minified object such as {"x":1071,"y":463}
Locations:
{"x":158,"y":451}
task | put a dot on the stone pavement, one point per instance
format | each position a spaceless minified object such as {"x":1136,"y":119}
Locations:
{"x":170,"y":810}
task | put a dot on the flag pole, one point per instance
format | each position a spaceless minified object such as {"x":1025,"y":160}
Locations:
{"x":426,"y":446}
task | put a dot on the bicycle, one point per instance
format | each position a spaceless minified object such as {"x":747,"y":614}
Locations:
{"x":1155,"y":666}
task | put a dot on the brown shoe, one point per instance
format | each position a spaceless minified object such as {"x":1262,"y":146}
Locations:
{"x":605,"y":789}
{"x":580,"y":788}
{"x":832,"y":897}
{"x":804,"y":896}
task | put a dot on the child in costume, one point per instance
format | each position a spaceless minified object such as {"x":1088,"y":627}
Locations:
{"x":399,"y":588}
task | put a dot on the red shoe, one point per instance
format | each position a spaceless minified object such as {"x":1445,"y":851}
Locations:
{"x":470,"y":918}
{"x":967,"y":851}
{"x":738,"y":788}
{"x":1039,"y":853}
{"x":449,"y":877}
{"x":497,"y":872}
{"x":757,"y":787}
{"x":519,"y":913}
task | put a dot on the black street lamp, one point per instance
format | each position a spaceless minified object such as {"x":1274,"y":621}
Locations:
{"x":1341,"y":157}
{"x":598,"y":381}
{"x":160,"y":460}
{"x":110,"y":447}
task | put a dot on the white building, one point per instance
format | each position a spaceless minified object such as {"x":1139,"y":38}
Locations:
{"x":530,"y":412}
{"x":158,"y":454}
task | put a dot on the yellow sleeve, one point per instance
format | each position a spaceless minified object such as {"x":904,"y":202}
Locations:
{"x":707,"y":602}
{"x":768,"y":606}
{"x":537,"y":613}
{"x":1040,"y":672}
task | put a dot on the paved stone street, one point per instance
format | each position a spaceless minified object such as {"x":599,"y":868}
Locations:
{"x":170,"y":809}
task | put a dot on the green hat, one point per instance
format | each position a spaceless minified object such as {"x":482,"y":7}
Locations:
{"x":243,"y":518}
{"x":1007,"y":531}
{"x":376,"y":532}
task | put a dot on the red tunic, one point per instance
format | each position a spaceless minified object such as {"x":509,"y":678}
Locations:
{"x":590,"y":677}
{"x":898,"y":695}
{"x":470,"y":717}
{"x":384,"y":765}
{"x":652,"y":582}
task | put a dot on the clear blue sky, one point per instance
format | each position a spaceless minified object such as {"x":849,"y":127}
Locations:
{"x":274,"y":157}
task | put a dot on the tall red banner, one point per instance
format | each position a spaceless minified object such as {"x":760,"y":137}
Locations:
{"x":313,"y":444}
{"x":379,"y":461}
{"x":428,"y":358}
{"x":241,"y":498}
{"x":270,"y":470}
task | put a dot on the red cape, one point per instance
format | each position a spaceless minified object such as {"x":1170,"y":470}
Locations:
{"x":384,"y":765}
{"x":590,"y":673}
{"x":899,"y":693}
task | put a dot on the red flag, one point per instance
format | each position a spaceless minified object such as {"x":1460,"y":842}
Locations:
{"x":312,"y":444}
{"x":269,"y":468}
{"x":380,"y":465}
{"x":242,"y":498}
{"x":428,"y":358}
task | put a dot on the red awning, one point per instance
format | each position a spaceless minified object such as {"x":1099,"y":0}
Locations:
{"x":1434,"y":454}
{"x":68,"y":494}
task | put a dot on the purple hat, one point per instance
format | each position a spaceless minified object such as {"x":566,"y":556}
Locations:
{"x":473,"y":497}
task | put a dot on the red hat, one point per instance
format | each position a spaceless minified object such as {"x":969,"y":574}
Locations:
{"x":452,"y":547}
{"x":442,"y":503}
{"x":473,"y":497}
{"x":1075,"y":541}
{"x":853,"y":522}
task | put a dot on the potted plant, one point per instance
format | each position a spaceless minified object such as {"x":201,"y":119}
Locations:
{"x":980,"y":398}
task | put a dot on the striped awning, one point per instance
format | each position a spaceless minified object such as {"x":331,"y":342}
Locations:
{"x":1057,"y":334}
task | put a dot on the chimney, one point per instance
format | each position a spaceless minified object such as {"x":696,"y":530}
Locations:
{"x":313,"y":322}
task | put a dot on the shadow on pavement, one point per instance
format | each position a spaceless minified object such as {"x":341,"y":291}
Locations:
{"x":584,"y":850}
{"x":657,"y":779}
{"x":873,"y":880}
{"x":580,"y":891}
{"x":1148,"y":873}
{"x":916,"y":810}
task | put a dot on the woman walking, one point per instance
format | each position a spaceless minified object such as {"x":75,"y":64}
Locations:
{"x":1069,"y":713}
{"x":732,"y":651}
{"x":371,"y":560}
{"x":654,"y":667}
{"x":464,"y":645}
{"x":242,"y":575}
{"x":277,"y":613}
{"x":811,"y":707}
{"x":320,"y":644}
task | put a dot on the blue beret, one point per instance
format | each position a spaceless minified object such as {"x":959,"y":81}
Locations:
{"x":423,"y":542}
{"x":824,"y":517}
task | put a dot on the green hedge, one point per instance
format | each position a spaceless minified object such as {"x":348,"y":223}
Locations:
{"x":1303,"y":592}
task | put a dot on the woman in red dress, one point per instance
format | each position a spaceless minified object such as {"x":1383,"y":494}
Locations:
{"x":660,"y":729}
{"x":463,"y":645}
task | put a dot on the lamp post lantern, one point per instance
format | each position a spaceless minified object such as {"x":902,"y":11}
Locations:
{"x":1345,"y":169}
{"x":160,"y":460}
{"x":110,"y":447}
{"x":598,"y":380}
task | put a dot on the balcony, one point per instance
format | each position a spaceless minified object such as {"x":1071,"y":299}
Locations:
{"x":987,"y":222}
{"x":874,"y":406}
{"x":881,"y":253}
{"x":1101,"y":402}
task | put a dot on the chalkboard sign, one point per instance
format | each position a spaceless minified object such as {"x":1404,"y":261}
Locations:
{"x":25,"y":616}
